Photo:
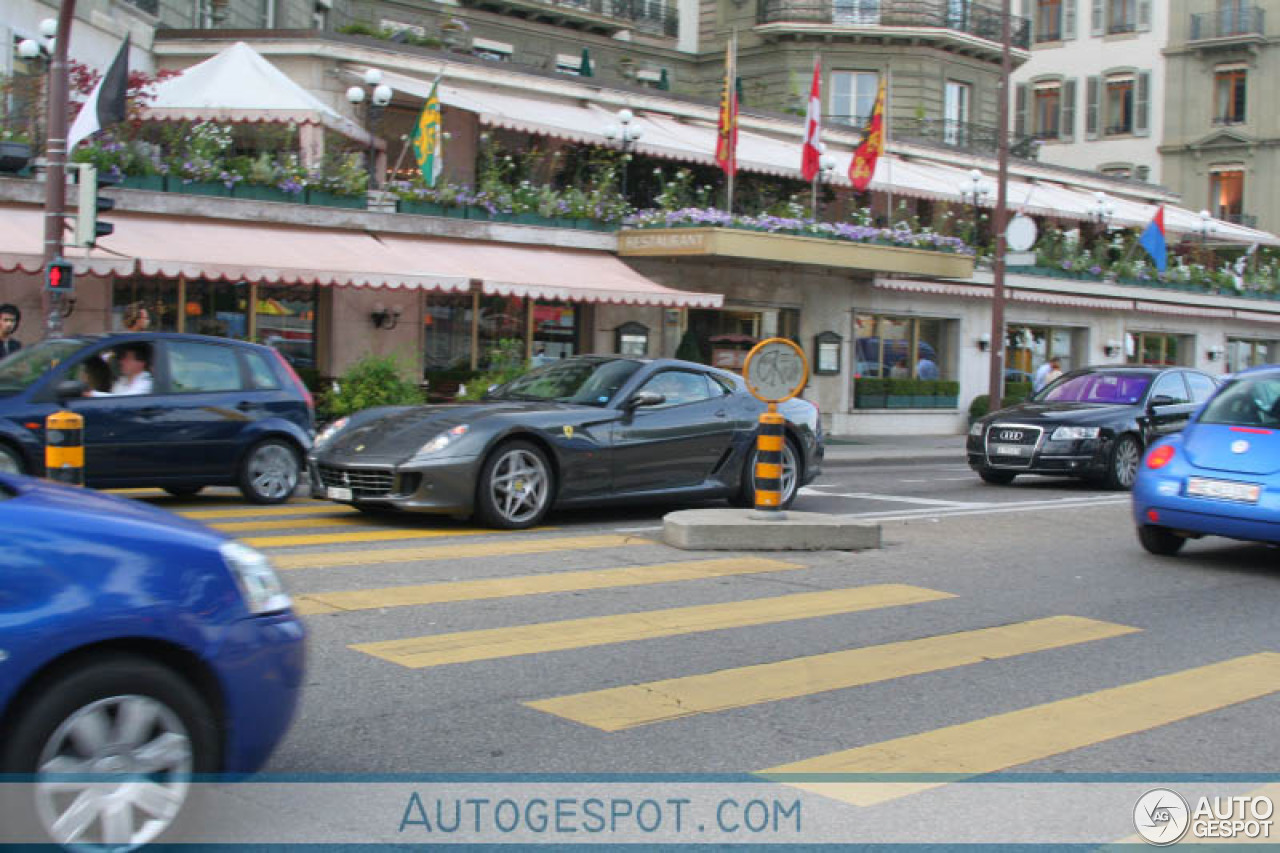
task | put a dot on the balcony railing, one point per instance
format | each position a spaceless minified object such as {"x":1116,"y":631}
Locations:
{"x":1231,"y":22}
{"x":961,"y":135}
{"x":1245,"y":219}
{"x":955,"y":15}
{"x":649,"y":16}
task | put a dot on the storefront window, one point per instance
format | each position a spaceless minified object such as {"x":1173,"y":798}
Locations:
{"x":555,"y":329}
{"x":1243,"y":353}
{"x":502,"y":326}
{"x":286,"y":321}
{"x":446,"y":327}
{"x":1153,"y":348}
{"x":216,"y":308}
{"x":158,"y":296}
{"x":902,"y":347}
{"x":1028,"y":347}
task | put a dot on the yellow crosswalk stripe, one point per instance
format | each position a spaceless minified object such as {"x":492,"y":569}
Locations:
{"x":511,"y":587}
{"x":360,"y":536}
{"x":298,"y":524}
{"x":639,"y":704}
{"x":464,"y":646}
{"x":507,"y":548}
{"x":1007,"y":740}
{"x":315,"y":508}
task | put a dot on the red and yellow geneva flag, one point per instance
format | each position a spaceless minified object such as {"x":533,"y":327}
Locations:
{"x":727,"y":131}
{"x":863,"y":167}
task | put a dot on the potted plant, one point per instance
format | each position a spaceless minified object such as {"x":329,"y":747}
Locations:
{"x":870,"y":392}
{"x":901,"y":393}
{"x":946,"y":393}
{"x":341,"y":182}
{"x":16,"y":151}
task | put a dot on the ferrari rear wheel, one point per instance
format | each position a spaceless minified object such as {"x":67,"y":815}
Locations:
{"x":1160,"y":540}
{"x":515,"y":486}
{"x":746,"y":496}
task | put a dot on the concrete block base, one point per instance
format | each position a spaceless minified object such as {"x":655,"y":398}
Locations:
{"x":738,"y":530}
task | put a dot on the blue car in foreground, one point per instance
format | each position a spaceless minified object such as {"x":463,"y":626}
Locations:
{"x":1221,"y":475}
{"x":132,"y":642}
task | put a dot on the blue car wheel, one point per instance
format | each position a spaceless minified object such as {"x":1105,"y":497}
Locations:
{"x":108,"y":714}
{"x":10,"y":462}
{"x":1160,"y":540}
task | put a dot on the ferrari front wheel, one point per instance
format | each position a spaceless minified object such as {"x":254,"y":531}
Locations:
{"x":515,"y":486}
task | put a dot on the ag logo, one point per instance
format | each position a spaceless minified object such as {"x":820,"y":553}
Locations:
{"x":1161,"y":817}
{"x":568,"y":431}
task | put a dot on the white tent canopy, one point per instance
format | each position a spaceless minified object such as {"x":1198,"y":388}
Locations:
{"x":239,"y":85}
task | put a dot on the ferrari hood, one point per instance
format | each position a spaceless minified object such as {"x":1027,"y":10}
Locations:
{"x":398,"y":435}
{"x":1235,"y":450}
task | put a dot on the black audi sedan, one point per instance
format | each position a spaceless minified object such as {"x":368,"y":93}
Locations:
{"x":1093,"y":423}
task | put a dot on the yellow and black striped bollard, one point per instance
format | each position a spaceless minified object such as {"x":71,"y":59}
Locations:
{"x":768,"y":471}
{"x":64,"y":448}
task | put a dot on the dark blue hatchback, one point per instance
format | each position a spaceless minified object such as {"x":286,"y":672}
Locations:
{"x":208,"y":412}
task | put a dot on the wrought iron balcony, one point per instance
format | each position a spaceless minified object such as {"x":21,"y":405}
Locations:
{"x":1245,"y":219}
{"x":960,"y":135}
{"x":657,"y":17}
{"x":961,"y":17}
{"x":1233,"y":22}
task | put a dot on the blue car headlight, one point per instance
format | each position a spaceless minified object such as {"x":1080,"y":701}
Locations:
{"x":1074,"y":433}
{"x":441,"y":441}
{"x":259,"y":584}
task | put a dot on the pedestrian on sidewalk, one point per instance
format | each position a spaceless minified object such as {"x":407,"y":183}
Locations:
{"x":10,"y":318}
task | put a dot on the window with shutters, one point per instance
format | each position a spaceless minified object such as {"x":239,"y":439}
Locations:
{"x":1046,"y":111}
{"x":1118,"y":106}
{"x":1229,"y":87}
{"x":1122,"y":16}
{"x":1048,"y":20}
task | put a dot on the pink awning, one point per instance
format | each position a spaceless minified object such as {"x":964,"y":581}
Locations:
{"x":544,"y":273}
{"x":1181,"y":310}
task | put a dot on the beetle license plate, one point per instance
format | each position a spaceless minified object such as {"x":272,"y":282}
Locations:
{"x":1011,"y":450}
{"x":337,"y":493}
{"x":1223,"y":490}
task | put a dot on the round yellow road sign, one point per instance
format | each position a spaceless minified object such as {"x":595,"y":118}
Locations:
{"x":776,"y":370}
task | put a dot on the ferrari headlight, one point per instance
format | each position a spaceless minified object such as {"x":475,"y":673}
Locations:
{"x":258,"y":582}
{"x":1074,"y":433}
{"x":977,"y":428}
{"x":443,"y":440}
{"x":329,"y":432}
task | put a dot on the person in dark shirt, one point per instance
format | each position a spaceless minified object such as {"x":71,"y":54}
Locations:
{"x":10,"y":317}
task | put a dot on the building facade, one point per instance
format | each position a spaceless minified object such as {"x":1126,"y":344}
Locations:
{"x":1220,"y":135}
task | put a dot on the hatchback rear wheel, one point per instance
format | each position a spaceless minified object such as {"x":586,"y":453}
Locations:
{"x":269,"y":472}
{"x":10,"y":462}
{"x":1160,"y":540}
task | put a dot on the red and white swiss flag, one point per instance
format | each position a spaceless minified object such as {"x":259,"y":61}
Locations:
{"x":811,"y":160}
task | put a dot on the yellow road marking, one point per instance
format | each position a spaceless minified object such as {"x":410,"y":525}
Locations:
{"x":441,"y":649}
{"x":1007,"y":740}
{"x":301,"y":524}
{"x":452,"y":552}
{"x":639,"y":704}
{"x":269,"y":511}
{"x":359,"y":536}
{"x":440,"y":593}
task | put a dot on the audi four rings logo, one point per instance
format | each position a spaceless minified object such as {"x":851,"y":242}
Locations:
{"x":1011,"y":435}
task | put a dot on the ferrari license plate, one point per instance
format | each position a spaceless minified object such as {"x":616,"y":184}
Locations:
{"x":1223,"y":490}
{"x":1011,"y":450}
{"x":337,"y":493}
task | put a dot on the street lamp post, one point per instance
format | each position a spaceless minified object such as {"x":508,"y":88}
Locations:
{"x":995,"y":377}
{"x":378,"y":96}
{"x":826,"y":166}
{"x":55,"y":178}
{"x":1205,"y":227}
{"x":974,"y":193}
{"x":626,"y":133}
{"x":1103,"y":210}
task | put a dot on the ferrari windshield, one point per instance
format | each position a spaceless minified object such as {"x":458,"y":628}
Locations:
{"x":1248,"y":401}
{"x":20,"y":370}
{"x":584,"y":381}
{"x":1111,"y":388}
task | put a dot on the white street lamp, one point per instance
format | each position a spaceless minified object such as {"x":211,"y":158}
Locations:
{"x":626,"y":133}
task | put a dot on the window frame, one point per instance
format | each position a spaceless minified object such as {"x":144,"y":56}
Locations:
{"x":1216,"y":190}
{"x":1115,"y":82}
{"x":1043,"y":6}
{"x":1038,"y":107}
{"x":846,"y":113}
{"x":1235,"y":108}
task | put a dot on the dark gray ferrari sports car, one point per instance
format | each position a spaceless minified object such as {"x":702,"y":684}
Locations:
{"x":580,"y":431}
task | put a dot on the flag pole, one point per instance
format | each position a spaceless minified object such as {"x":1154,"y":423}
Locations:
{"x":995,"y":383}
{"x":886,"y":128}
{"x":817,"y":176}
{"x":731,"y":83}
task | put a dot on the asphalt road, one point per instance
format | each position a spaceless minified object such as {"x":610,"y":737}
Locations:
{"x":1004,"y":599}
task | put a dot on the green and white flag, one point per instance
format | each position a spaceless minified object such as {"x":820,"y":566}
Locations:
{"x":427,"y":138}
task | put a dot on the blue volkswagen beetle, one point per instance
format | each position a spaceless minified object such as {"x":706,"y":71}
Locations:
{"x":132,"y":642}
{"x":1220,"y":476}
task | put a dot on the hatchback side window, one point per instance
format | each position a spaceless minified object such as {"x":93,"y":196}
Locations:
{"x":679,"y":387}
{"x":195,"y":368}
{"x":1202,"y":387}
{"x":1171,"y":385}
{"x":261,"y":376}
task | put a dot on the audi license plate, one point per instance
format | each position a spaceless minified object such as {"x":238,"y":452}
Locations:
{"x":1223,"y":490}
{"x":337,"y":493}
{"x":1011,"y":450}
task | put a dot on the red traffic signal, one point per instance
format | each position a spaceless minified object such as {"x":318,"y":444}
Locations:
{"x":59,"y":276}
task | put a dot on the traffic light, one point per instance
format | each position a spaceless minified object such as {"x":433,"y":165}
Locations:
{"x":88,"y":228}
{"x":59,"y":276}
